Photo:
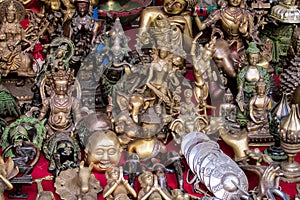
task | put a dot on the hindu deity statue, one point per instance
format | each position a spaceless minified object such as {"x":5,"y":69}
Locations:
{"x":112,"y":63}
{"x":83,"y":30}
{"x":178,"y":14}
{"x":236,"y":23}
{"x":12,"y":37}
{"x":63,"y":108}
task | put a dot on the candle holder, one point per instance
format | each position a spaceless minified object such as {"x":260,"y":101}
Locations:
{"x":290,"y":143}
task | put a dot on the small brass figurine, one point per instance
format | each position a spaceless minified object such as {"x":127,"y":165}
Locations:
{"x":246,"y":81}
{"x":228,"y":112}
{"x":236,"y":23}
{"x":83,"y":30}
{"x":12,"y":36}
{"x":178,"y":14}
{"x":8,"y":171}
{"x":117,"y":187}
{"x":260,"y":106}
{"x":41,"y":195}
{"x":112,"y":61}
{"x":103,"y":149}
{"x":62,"y":151}
{"x":60,"y":104}
{"x":77,"y":183}
{"x":150,"y":188}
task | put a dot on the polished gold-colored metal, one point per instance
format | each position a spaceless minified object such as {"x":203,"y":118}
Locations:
{"x":117,"y":187}
{"x":77,"y":183}
{"x":12,"y":37}
{"x":236,"y":22}
{"x":7,"y":172}
{"x":60,"y":103}
{"x":259,"y":107}
{"x":151,"y":189}
{"x":290,"y":137}
{"x":238,"y":142}
{"x":103,"y":149}
{"x":41,"y":193}
{"x":178,"y":14}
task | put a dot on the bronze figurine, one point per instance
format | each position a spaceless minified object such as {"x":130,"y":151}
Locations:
{"x":62,"y":151}
{"x":41,"y":193}
{"x":60,"y":103}
{"x":77,"y":183}
{"x":8,"y":171}
{"x":117,"y":187}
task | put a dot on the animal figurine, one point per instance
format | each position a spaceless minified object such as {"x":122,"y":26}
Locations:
{"x":77,"y":184}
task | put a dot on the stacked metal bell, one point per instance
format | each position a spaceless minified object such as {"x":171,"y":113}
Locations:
{"x":220,"y":174}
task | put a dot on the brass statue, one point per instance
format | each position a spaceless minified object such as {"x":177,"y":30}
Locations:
{"x":117,"y":187}
{"x":151,"y":189}
{"x":8,"y":171}
{"x":260,"y":106}
{"x":246,"y":81}
{"x":41,"y":195}
{"x":178,"y":14}
{"x":12,"y":37}
{"x":60,"y":104}
{"x":236,"y":22}
{"x":112,"y":63}
{"x":228,"y":112}
{"x":77,"y":183}
{"x":147,"y":146}
{"x":103,"y":149}
{"x":83,"y":30}
{"x":62,"y":151}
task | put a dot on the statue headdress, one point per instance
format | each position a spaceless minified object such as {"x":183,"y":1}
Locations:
{"x":252,"y":48}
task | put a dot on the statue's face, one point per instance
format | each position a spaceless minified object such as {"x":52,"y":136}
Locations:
{"x":253,"y":58}
{"x":174,"y":7}
{"x":104,"y":151}
{"x":82,"y":8}
{"x":10,"y":17}
{"x":148,"y":178}
{"x":260,"y":90}
{"x":234,"y":2}
{"x":61,"y":88}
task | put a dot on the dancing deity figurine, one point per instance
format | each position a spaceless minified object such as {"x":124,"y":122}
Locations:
{"x":236,"y":23}
{"x":246,"y":81}
{"x":178,"y":14}
{"x":112,"y":61}
{"x":61,"y":104}
{"x":259,"y":107}
{"x":117,"y":187}
{"x":12,"y":36}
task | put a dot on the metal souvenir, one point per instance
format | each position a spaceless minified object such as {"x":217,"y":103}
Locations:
{"x":8,"y":171}
{"x":117,"y":187}
{"x":62,"y":151}
{"x":286,"y":12}
{"x":41,"y":194}
{"x":217,"y":171}
{"x":103,"y":149}
{"x":289,"y":135}
{"x":77,"y":183}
